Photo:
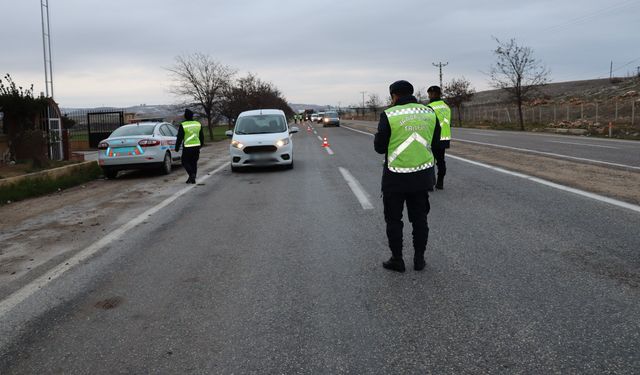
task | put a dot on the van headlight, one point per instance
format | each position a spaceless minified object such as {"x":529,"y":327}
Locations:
{"x":237,"y":144}
{"x":282,"y":142}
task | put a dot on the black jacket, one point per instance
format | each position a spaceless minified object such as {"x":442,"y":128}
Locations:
{"x":400,"y":182}
{"x":180,"y":137}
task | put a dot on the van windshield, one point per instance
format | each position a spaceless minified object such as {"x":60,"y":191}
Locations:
{"x":261,"y":124}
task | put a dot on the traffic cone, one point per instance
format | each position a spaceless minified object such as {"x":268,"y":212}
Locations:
{"x":325,"y":143}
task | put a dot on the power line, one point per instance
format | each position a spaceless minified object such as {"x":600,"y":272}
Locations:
{"x":596,"y":13}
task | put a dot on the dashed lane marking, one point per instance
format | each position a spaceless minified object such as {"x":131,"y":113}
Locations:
{"x":357,"y":189}
{"x":329,"y":150}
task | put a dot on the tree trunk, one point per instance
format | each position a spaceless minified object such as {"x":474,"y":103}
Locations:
{"x":459,"y":116}
{"x":520,"y":120}
{"x":210,"y":127}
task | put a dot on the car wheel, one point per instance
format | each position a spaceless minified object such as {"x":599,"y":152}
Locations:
{"x":110,"y":173}
{"x":166,"y":164}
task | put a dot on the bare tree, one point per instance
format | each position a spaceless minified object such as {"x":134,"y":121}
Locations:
{"x":422,"y":96}
{"x":373,"y":103}
{"x":457,"y":92}
{"x":517,"y":72}
{"x":203,"y":80}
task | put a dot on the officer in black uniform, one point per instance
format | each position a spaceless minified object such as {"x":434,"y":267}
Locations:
{"x":438,"y":146}
{"x":398,"y":188}
{"x":191,"y":150}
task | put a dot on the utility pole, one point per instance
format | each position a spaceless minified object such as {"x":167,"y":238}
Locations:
{"x":363,"y":92}
{"x":46,"y":48}
{"x":638,"y":71}
{"x":611,"y":71}
{"x":440,"y":65}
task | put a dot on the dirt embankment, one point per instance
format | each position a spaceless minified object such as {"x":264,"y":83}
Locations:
{"x":38,"y":233}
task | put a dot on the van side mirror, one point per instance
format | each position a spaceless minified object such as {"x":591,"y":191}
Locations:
{"x":293,"y":129}
{"x":229,"y":133}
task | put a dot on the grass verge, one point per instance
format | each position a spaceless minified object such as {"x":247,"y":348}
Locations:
{"x":44,"y":185}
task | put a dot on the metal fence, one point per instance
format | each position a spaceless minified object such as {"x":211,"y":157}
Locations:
{"x":573,"y":113}
{"x":88,"y":127}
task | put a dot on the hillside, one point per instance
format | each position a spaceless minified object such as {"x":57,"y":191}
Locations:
{"x":588,"y":90}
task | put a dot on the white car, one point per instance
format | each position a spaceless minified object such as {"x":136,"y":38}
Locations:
{"x":261,"y":138}
{"x":138,"y":146}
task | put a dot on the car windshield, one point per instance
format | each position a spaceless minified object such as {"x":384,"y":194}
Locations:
{"x":331,"y":114}
{"x":261,"y":124}
{"x":126,"y":131}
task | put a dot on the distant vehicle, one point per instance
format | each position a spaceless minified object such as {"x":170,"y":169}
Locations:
{"x":315,"y":117}
{"x":261,"y":138}
{"x":331,"y":118}
{"x":320,"y":115}
{"x":138,"y":146}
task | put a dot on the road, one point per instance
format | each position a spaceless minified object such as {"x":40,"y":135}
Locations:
{"x":275,"y":271}
{"x":623,"y":153}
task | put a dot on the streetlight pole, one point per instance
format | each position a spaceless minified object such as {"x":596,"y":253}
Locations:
{"x":363,"y":92}
{"x":46,"y":48}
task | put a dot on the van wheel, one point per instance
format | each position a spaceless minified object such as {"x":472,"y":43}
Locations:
{"x":165,"y":168}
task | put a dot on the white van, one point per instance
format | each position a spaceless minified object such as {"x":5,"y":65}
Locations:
{"x":260,"y":138}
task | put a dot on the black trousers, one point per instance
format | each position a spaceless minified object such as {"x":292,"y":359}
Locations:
{"x":418,"y":209}
{"x":438,"y":154}
{"x":190,"y":156}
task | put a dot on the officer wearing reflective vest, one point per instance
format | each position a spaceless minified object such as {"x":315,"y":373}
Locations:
{"x":442,"y":138}
{"x":190,"y":133}
{"x":404,"y":136}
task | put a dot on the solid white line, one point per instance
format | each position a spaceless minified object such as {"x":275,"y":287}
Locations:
{"x":583,"y":193}
{"x":485,"y":135}
{"x":356,"y":130}
{"x":329,"y":150}
{"x":550,"y":154}
{"x":26,"y":291}
{"x":357,"y":189}
{"x":583,"y":144}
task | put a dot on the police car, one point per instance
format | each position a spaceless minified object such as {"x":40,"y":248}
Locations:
{"x":138,"y":146}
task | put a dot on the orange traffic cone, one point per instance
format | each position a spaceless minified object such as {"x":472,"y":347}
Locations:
{"x":325,"y":143}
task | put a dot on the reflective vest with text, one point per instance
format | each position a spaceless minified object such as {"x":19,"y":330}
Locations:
{"x":412,"y":126}
{"x":444,"y":117}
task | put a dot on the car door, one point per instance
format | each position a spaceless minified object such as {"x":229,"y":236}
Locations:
{"x":171,"y":136}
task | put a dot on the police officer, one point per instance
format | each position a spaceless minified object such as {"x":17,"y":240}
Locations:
{"x":190,"y":133}
{"x":405,"y":132}
{"x":442,"y":137}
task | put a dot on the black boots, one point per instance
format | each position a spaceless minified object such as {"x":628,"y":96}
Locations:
{"x":394,"y":264}
{"x":419,"y":263}
{"x":440,"y":183}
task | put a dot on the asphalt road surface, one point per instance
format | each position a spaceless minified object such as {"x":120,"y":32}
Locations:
{"x":618,"y":152}
{"x":276,"y":271}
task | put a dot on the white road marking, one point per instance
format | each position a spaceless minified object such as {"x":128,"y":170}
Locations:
{"x":583,"y":144}
{"x":315,"y":132}
{"x":356,"y":130}
{"x":583,"y":193}
{"x":28,"y":290}
{"x":485,"y":135}
{"x":357,"y":189}
{"x":320,"y":138}
{"x":329,"y":150}
{"x":551,"y":154}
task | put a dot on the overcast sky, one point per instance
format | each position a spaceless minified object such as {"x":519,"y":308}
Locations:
{"x":113,"y":52}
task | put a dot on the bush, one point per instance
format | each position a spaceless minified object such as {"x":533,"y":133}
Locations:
{"x":44,"y":185}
